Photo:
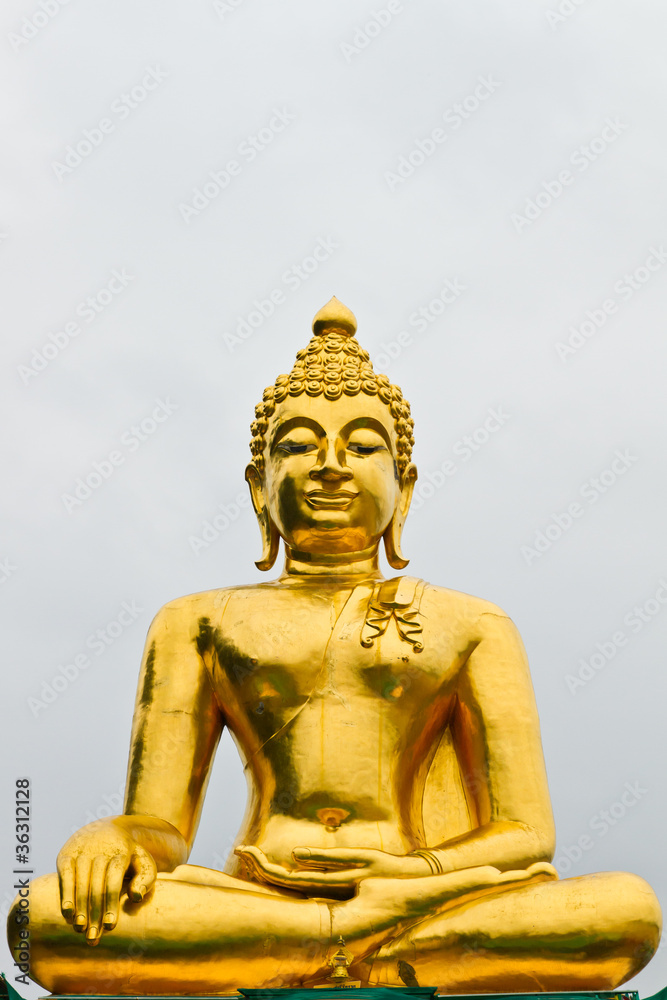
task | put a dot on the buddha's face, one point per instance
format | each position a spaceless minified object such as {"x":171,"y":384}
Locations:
{"x":331,"y":482}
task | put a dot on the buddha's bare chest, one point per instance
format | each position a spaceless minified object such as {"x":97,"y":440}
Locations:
{"x":332,"y":659}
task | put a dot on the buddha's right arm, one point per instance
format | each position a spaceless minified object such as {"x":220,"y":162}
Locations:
{"x":177,"y":721}
{"x":176,"y":727}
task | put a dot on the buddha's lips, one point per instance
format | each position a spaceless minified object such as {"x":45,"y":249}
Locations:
{"x":330,"y":499}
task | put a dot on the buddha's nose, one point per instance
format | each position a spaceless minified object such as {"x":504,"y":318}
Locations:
{"x":330,"y":467}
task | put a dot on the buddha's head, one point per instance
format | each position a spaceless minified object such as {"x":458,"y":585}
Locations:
{"x":332,"y":442}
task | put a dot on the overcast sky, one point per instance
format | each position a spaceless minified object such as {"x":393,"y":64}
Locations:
{"x":483,"y":184}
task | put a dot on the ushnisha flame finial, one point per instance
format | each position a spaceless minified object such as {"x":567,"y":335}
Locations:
{"x":335,"y":316}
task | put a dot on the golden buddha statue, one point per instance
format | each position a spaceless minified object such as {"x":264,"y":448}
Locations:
{"x":397,"y":792}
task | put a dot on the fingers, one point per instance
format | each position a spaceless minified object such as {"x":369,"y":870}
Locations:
{"x":544,"y":869}
{"x":264,"y":869}
{"x":258,"y":865}
{"x":91,"y":870}
{"x":340,"y":857}
{"x":304,"y":880}
{"x":81,"y":891}
{"x":145,"y":872}
{"x":66,"y":879}
{"x":518,"y":875}
{"x":115,"y":876}
{"x":91,"y":888}
{"x":541,"y":871}
{"x":96,"y":899}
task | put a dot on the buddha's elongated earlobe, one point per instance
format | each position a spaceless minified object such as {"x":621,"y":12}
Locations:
{"x":269,"y":532}
{"x":392,"y":535}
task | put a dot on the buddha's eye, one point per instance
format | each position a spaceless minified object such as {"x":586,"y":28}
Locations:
{"x":364,"y":449}
{"x":294,"y":448}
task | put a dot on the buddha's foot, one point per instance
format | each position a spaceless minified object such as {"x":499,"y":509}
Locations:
{"x":586,"y":933}
{"x":381,"y":905}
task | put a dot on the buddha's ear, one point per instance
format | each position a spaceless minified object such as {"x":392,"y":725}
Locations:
{"x":392,"y":535}
{"x":269,"y":532}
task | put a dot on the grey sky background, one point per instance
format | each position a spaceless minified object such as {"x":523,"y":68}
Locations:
{"x":583,"y":423}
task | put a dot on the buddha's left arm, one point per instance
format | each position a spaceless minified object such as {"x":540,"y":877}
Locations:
{"x":497,"y":739}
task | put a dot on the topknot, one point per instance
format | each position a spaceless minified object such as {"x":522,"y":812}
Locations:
{"x":335,"y":316}
{"x":331,"y":365}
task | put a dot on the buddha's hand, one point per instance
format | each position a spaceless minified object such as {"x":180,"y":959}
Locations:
{"x":334,"y":873}
{"x":338,"y":873}
{"x":91,"y":868}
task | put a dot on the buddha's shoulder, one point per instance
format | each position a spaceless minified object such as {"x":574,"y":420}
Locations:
{"x":211,"y":603}
{"x":438,"y":602}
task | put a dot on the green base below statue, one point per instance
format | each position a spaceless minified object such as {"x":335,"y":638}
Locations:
{"x":366,"y":993}
{"x":7,"y":992}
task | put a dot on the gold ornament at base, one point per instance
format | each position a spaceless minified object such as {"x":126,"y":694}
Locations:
{"x":340,"y":963}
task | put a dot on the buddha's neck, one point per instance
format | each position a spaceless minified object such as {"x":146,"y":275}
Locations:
{"x":333,"y":565}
